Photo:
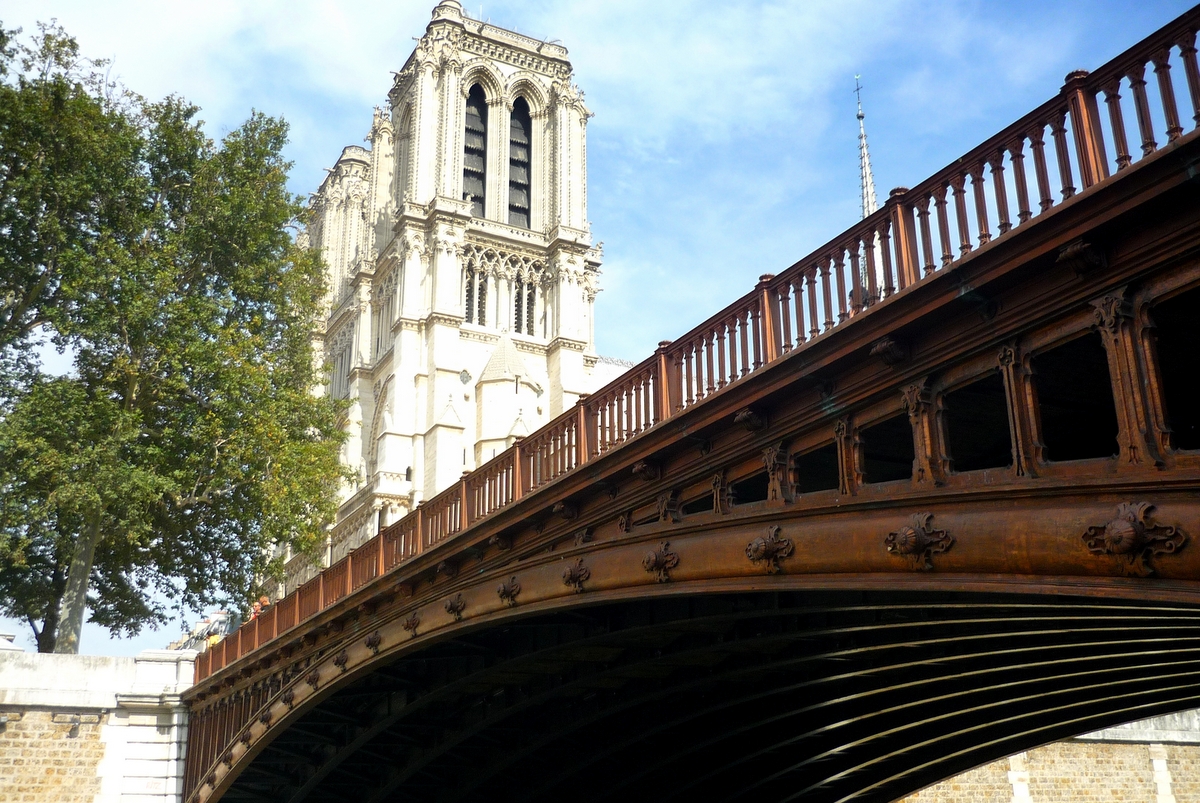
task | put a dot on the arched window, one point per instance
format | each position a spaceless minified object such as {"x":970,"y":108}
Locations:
{"x":520,"y":129}
{"x":475,"y":151}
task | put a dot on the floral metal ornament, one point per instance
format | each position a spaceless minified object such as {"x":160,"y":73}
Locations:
{"x":455,"y":607}
{"x":1133,"y":540}
{"x":661,"y":561}
{"x":508,"y":592}
{"x":575,"y":576}
{"x":341,"y":659}
{"x":769,"y":549}
{"x":917,"y":542}
{"x":373,"y":641}
{"x":411,"y":624}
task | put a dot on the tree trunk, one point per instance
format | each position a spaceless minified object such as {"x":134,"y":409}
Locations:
{"x":47,"y":636}
{"x":74,"y":601}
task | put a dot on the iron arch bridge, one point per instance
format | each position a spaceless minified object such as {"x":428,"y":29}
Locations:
{"x":925,"y":499}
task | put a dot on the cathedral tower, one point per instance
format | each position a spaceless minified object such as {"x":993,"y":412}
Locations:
{"x":462,"y":273}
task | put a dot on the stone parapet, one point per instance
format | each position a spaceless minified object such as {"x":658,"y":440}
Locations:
{"x":96,"y":729}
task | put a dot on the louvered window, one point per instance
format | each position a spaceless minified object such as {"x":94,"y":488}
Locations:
{"x":524,"y":298}
{"x":475,"y":302}
{"x":530,"y":297}
{"x":475,"y":151}
{"x":470,"y":300}
{"x":481,"y":299}
{"x":518,"y":305}
{"x":519,"y":130}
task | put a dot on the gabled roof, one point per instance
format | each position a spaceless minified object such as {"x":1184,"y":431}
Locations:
{"x":505,"y":362}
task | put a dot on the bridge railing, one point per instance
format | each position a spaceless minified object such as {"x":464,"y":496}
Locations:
{"x":624,"y":408}
{"x":553,"y":450}
{"x":1048,"y":156}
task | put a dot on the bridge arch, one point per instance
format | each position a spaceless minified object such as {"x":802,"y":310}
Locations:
{"x":767,"y":692}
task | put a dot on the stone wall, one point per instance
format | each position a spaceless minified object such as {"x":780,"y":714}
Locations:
{"x":91,"y":729}
{"x":1153,"y":761}
{"x":48,"y":756}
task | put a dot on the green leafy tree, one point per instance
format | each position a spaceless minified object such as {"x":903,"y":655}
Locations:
{"x":189,"y":445}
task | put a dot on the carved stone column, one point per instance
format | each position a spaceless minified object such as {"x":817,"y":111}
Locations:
{"x":1115,"y":321}
{"x":930,"y":464}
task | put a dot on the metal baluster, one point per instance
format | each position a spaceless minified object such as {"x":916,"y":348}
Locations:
{"x":996,"y":165}
{"x":722,"y":354}
{"x":687,"y":361}
{"x":856,"y":289}
{"x":943,"y":219}
{"x":981,"y":210}
{"x":1112,"y":99}
{"x":839,"y":273}
{"x":1187,"y":51}
{"x":922,"y":208}
{"x":825,"y":296}
{"x":1017,"y":154}
{"x":709,"y":345}
{"x":756,"y":335}
{"x":872,"y":294}
{"x":786,"y":315}
{"x":811,"y":279}
{"x":745,"y":345}
{"x":798,"y":301}
{"x":1141,"y":104}
{"x":958,"y":184}
{"x":885,"y":254}
{"x":1166,"y":92}
{"x":1038,"y":144}
{"x":1058,"y":129}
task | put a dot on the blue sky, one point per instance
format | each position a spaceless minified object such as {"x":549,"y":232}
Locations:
{"x":724,"y":142}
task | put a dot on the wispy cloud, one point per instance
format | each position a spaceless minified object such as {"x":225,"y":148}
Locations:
{"x":724,"y":142}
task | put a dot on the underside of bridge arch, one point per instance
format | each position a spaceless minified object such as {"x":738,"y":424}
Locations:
{"x":769,"y":696}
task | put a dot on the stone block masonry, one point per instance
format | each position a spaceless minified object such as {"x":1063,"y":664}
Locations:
{"x":1154,"y":761}
{"x":48,"y":756}
{"x":91,"y":729}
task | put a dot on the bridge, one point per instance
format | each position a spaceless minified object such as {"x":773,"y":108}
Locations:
{"x":925,"y":499}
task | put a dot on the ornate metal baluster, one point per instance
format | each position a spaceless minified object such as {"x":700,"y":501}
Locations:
{"x":811,"y":278}
{"x":1017,"y":154}
{"x":996,"y":165}
{"x":1141,"y":104}
{"x":1166,"y":91}
{"x":786,"y":315}
{"x":826,"y":292}
{"x":840,"y":274}
{"x":1112,"y":99}
{"x":1058,"y":129}
{"x":1187,"y":51}
{"x":872,"y":294}
{"x":958,"y":185}
{"x":922,"y":208}
{"x":939,"y":202}
{"x":885,"y":254}
{"x":1038,"y":145}
{"x":981,"y":210}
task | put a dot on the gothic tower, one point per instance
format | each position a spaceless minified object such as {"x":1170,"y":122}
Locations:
{"x":461,"y":268}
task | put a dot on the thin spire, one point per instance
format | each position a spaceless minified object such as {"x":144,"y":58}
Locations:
{"x":869,"y":204}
